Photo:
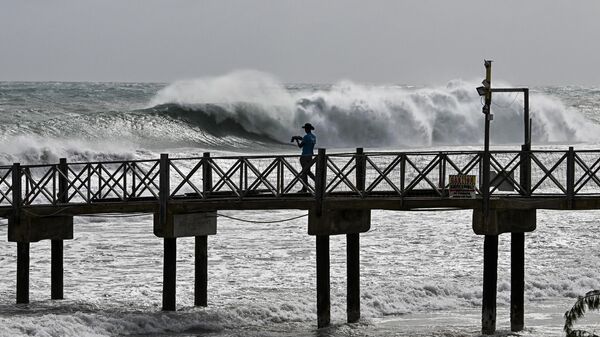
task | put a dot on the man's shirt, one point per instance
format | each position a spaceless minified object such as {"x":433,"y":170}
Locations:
{"x":309,"y":141}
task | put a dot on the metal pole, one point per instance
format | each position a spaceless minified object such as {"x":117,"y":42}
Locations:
{"x":486,"y":144}
{"x":164,"y":191}
{"x":490,"y":246}
{"x":526,"y":119}
{"x":321,"y":180}
{"x":570,"y":177}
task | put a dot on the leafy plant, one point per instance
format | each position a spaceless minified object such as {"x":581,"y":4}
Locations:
{"x":591,"y":301}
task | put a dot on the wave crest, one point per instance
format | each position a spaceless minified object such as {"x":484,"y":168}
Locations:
{"x":348,"y":114}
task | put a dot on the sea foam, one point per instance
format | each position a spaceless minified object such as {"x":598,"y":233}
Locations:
{"x":348,"y":114}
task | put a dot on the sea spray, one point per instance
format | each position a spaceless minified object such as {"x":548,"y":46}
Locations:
{"x":38,"y":150}
{"x":250,"y":111}
{"x":348,"y":114}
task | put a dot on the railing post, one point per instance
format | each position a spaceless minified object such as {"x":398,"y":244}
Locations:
{"x":442,"y":172}
{"x":525,"y":170}
{"x":241,"y":188}
{"x":402,"y":172}
{"x":570,"y":176}
{"x":133,"y":181}
{"x":280,"y":177}
{"x":63,"y":182}
{"x":321,"y":180}
{"x":485,"y":185}
{"x":164,"y":187}
{"x":16,"y":192}
{"x":125,"y":169}
{"x":361,"y":171}
{"x":206,"y":174}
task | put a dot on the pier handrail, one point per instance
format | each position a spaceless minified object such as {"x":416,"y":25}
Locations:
{"x":556,"y":173}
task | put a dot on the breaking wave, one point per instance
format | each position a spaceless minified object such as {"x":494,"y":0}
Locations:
{"x":250,"y":111}
{"x":348,"y":114}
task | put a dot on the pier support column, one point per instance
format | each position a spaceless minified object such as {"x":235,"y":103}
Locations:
{"x":323,"y":287}
{"x":517,"y":280}
{"x":353,"y":275}
{"x":169,"y":274}
{"x":22,"y":272}
{"x":56,"y":270}
{"x":201,"y":281}
{"x":490,"y":278}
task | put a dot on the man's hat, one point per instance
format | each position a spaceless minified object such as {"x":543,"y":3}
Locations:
{"x":309,"y":126}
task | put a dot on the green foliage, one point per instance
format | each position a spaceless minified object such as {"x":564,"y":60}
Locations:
{"x":591,"y":301}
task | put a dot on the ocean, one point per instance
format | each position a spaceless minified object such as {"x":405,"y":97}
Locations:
{"x":421,"y":272}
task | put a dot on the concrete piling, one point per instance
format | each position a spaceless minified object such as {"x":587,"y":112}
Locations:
{"x":490,"y":278}
{"x":353,"y":277}
{"x":56,"y":270}
{"x":201,"y":271}
{"x":323,"y":286}
{"x":169,"y":274}
{"x":517,"y":289}
{"x":22,"y":272}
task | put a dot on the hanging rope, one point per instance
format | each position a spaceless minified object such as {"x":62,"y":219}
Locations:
{"x":133,"y":215}
{"x":261,"y":221}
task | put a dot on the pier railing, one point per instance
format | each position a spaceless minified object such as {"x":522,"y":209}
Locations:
{"x":405,"y":174}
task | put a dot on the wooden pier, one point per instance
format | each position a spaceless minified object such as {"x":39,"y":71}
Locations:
{"x":185,"y":194}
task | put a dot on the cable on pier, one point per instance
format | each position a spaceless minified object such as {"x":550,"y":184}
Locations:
{"x":261,"y":221}
{"x":132,"y":215}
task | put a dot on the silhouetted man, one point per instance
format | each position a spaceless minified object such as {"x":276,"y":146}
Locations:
{"x":307,"y":143}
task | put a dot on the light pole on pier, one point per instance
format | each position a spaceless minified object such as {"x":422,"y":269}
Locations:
{"x":491,"y":241}
{"x":486,"y":90}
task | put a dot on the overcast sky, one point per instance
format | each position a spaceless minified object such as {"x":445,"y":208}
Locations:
{"x":318,"y":41}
